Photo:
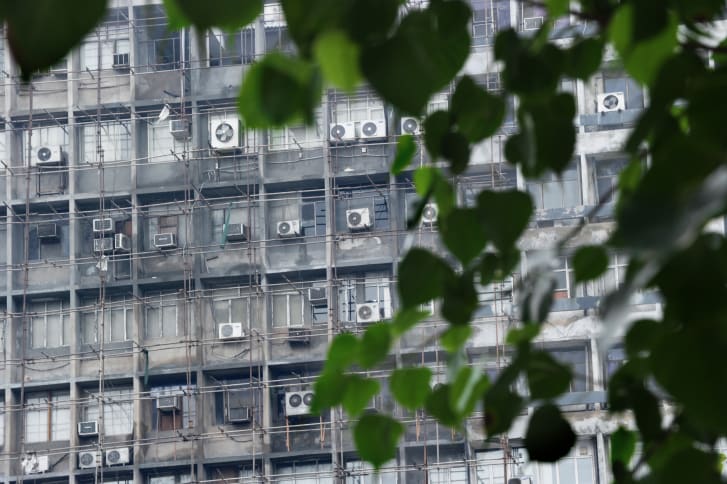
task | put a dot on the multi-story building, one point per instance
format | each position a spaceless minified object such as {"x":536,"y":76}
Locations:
{"x":171,"y":280}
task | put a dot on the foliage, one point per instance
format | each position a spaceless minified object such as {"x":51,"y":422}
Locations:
{"x":659,"y":221}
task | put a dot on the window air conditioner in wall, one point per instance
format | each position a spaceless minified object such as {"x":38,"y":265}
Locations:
{"x":299,"y":335}
{"x":122,"y":243}
{"x":318,"y":296}
{"x":118,"y":457}
{"x":165,"y":241}
{"x":103,"y":225}
{"x":47,"y":155}
{"x":358,"y":219}
{"x":288,"y":228}
{"x":411,"y":126}
{"x":88,"y":459}
{"x":367,"y":313}
{"x":430,"y":214}
{"x":179,"y":129}
{"x":610,"y":101}
{"x":237,"y":232}
{"x":168,"y":403}
{"x":236,"y":412}
{"x":88,"y":429}
{"x":230,"y":331}
{"x":226,"y":134}
{"x":342,"y":132}
{"x":103,"y":246}
{"x":373,"y":129}
{"x":120,"y":60}
{"x":532,"y":23}
{"x":34,"y":464}
{"x":48,"y":232}
{"x":298,"y":403}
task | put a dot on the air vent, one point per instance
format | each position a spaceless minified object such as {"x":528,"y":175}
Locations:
{"x":298,"y":403}
{"x":367,"y":313}
{"x":532,"y":23}
{"x":103,"y":225}
{"x":120,"y":60}
{"x":236,"y":232}
{"x":165,"y":241}
{"x":88,"y":459}
{"x":299,"y":335}
{"x":342,"y":132}
{"x":47,"y":155}
{"x":230,"y":331}
{"x":358,"y":219}
{"x":48,"y":232}
{"x":168,"y":403}
{"x":179,"y":129}
{"x":611,"y":101}
{"x":430,"y":214}
{"x":411,"y":126}
{"x":88,"y":429}
{"x":103,"y":246}
{"x":226,"y":134}
{"x":373,"y":129}
{"x":122,"y":243}
{"x":288,"y":228}
{"x":118,"y":457}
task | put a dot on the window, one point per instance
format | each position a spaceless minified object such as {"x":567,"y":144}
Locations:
{"x":118,"y":320}
{"x":360,"y":472}
{"x":161,"y":315}
{"x":235,"y":305}
{"x":115,"y":142}
{"x":231,"y":48}
{"x":453,"y":473}
{"x":276,"y":32}
{"x":161,"y":143}
{"x":565,"y":285}
{"x":118,"y":410}
{"x":49,"y":324}
{"x":2,"y":422}
{"x":357,"y":108}
{"x":615,"y":359}
{"x":175,"y":406}
{"x":163,"y":224}
{"x":172,"y":479}
{"x":158,"y":48}
{"x":376,"y":201}
{"x":607,"y":172}
{"x":491,"y":466}
{"x":54,"y":135}
{"x":235,"y":213}
{"x":496,"y":298}
{"x":42,"y":245}
{"x":615,"y":274}
{"x":313,"y":217}
{"x":488,"y":17}
{"x":501,"y":176}
{"x":309,"y":472}
{"x":577,"y":360}
{"x":112,"y":37}
{"x":576,"y":468}
{"x":619,"y":82}
{"x":364,"y":289}
{"x":296,"y":137}
{"x":553,"y":191}
{"x":290,"y":308}
{"x":47,"y":416}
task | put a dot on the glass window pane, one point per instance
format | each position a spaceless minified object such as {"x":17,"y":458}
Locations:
{"x":280,"y":310}
{"x":88,"y":327}
{"x":37,"y":330}
{"x":296,"y":310}
{"x":585,"y":471}
{"x":240,"y":310}
{"x":153,"y":322}
{"x":566,"y":472}
{"x":169,"y":321}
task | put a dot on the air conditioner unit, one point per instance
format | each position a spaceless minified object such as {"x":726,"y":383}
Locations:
{"x":118,"y":457}
{"x":367,"y":313}
{"x":88,"y":459}
{"x":238,"y":414}
{"x":611,"y":101}
{"x":520,"y":480}
{"x":342,"y":132}
{"x":288,"y":228}
{"x":318,"y":296}
{"x":168,"y":403}
{"x":411,"y":126}
{"x":48,"y":232}
{"x":179,"y":129}
{"x":226,"y":134}
{"x":165,"y":241}
{"x":34,"y":464}
{"x":358,"y":219}
{"x":103,"y":246}
{"x":237,"y":233}
{"x":532,"y":23}
{"x":298,"y":403}
{"x":299,"y":335}
{"x":47,"y":155}
{"x":122,"y":243}
{"x":103,"y":225}
{"x":120,"y":60}
{"x":88,"y":429}
{"x":230,"y":331}
{"x":430,"y":214}
{"x":373,"y":129}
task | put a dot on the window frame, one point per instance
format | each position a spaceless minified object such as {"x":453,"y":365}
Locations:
{"x":47,"y":308}
{"x":53,"y":411}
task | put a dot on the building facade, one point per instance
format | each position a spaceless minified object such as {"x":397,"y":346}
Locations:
{"x":170,"y":280}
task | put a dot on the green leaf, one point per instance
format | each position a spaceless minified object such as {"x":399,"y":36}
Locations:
{"x":456,"y":149}
{"x":376,"y":436}
{"x":502,"y":407}
{"x":41,"y":34}
{"x":467,"y":388}
{"x":425,"y":179}
{"x":583,"y":59}
{"x":438,"y":405}
{"x":406,"y":319}
{"x":228,"y":14}
{"x":478,"y":113}
{"x":342,"y":352}
{"x":305,"y":21}
{"x":421,"y":277}
{"x":338,"y":57}
{"x":455,"y":337}
{"x":279,"y":90}
{"x":589,"y":263}
{"x":523,"y":335}
{"x":537,"y":296}
{"x":459,"y":299}
{"x":547,"y":378}
{"x":462,"y":234}
{"x":436,"y":126}
{"x":557,"y":8}
{"x":405,"y":149}
{"x":358,"y":394}
{"x":498,"y":266}
{"x":375,"y":345}
{"x":329,"y":390}
{"x":642,"y":336}
{"x":623,"y":445}
{"x":549,"y":437}
{"x":503,"y":227}
{"x":410,"y":386}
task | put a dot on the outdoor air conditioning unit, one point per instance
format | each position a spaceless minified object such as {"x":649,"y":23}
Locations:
{"x":179,"y":129}
{"x":237,"y":232}
{"x":118,"y":457}
{"x":299,"y":335}
{"x":358,"y":219}
{"x":342,"y":132}
{"x":532,"y":23}
{"x":373,"y":129}
{"x":88,"y":459}
{"x":367,"y":313}
{"x":520,"y":480}
{"x":48,"y":232}
{"x":226,"y":134}
{"x":168,"y":403}
{"x":122,"y":243}
{"x":88,"y":429}
{"x":120,"y":60}
{"x":165,"y":241}
{"x":47,"y":155}
{"x":103,"y":225}
{"x":288,"y":228}
{"x":298,"y":403}
{"x":34,"y":464}
{"x":611,"y":101}
{"x":411,"y":125}
{"x":230,"y":331}
{"x":103,"y":246}
{"x":430,"y":214}
{"x":318,"y":296}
